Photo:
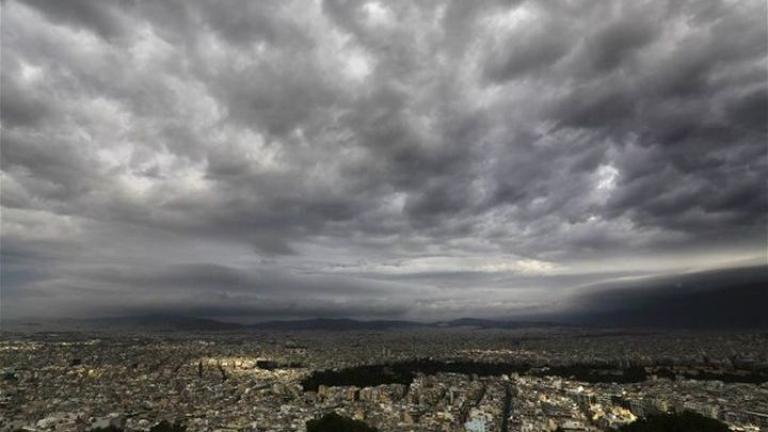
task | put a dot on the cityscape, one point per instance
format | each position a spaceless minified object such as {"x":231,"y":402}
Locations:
{"x":450,"y":379}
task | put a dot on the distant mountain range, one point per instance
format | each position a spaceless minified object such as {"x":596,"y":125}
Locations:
{"x":350,"y":324}
{"x":339,"y":324}
{"x":168,"y":323}
{"x":159,"y":323}
{"x":152,"y":323}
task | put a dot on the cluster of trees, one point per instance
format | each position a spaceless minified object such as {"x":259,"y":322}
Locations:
{"x":752,"y":377}
{"x":598,"y":374}
{"x":163,"y":426}
{"x":333,"y":422}
{"x":684,"y":422}
{"x":687,"y":421}
{"x":404,"y":373}
{"x":361,"y":376}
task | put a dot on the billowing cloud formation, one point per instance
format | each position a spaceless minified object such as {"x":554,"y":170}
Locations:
{"x":373,"y":158}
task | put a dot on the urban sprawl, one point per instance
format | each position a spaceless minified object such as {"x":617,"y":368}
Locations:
{"x":467,"y":379}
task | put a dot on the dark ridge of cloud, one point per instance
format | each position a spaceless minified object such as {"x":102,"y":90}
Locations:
{"x":18,"y":107}
{"x":245,"y":23}
{"x":730,"y":298}
{"x":595,"y":105}
{"x":102,"y":18}
{"x":613,"y":44}
{"x":750,"y":111}
{"x":521,"y":55}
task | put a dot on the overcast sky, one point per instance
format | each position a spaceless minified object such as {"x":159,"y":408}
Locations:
{"x":392,"y":159}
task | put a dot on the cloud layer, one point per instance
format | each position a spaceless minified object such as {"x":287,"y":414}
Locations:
{"x":356,"y":158}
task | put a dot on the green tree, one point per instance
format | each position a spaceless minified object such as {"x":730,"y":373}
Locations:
{"x":688,"y":421}
{"x":333,"y":422}
{"x":165,"y":426}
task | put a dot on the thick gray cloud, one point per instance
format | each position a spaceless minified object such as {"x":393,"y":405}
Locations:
{"x":723,"y":298}
{"x":436,"y":158}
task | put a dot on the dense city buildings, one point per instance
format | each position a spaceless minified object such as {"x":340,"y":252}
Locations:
{"x":459,"y":379}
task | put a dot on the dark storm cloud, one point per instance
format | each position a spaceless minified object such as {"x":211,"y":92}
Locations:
{"x":99,"y":17}
{"x":729,"y":298}
{"x":206,"y":289}
{"x":155,"y":153}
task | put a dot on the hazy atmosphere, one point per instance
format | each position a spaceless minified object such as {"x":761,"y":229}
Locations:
{"x":379,"y":160}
